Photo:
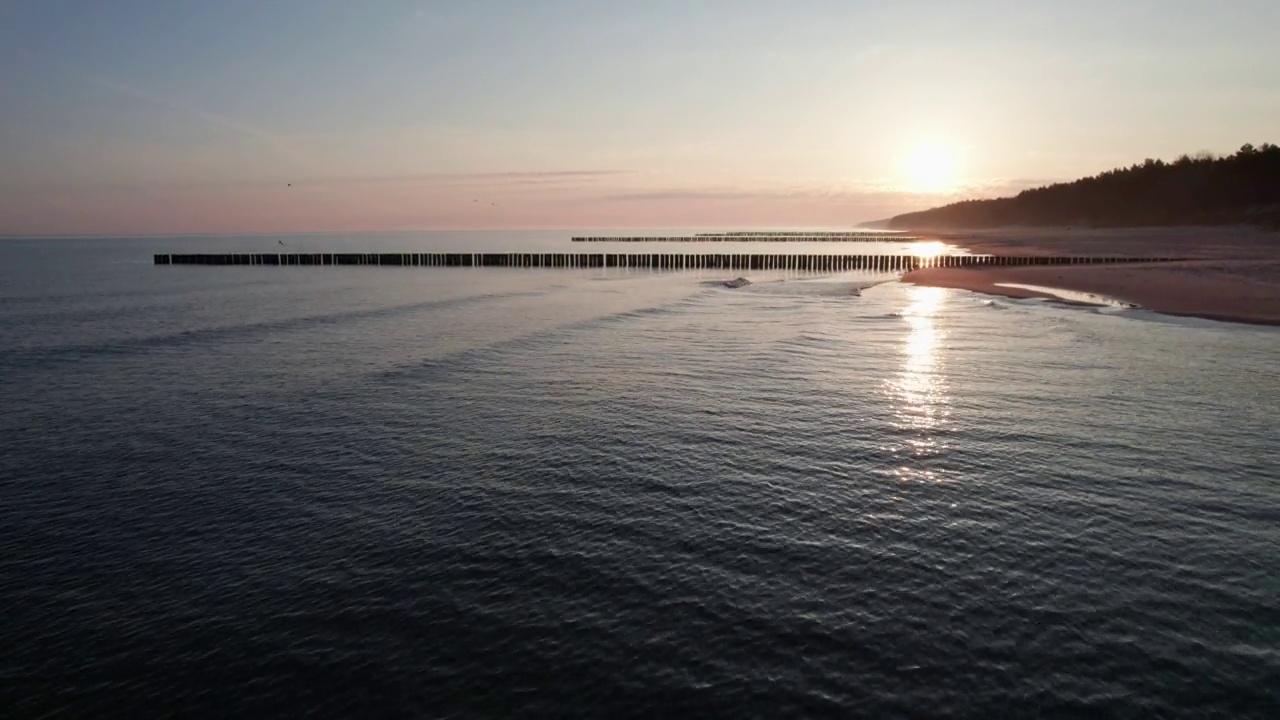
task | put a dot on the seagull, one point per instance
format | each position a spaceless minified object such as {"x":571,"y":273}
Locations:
{"x":280,"y":241}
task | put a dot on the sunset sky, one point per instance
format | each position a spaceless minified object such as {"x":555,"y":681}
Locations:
{"x":173,"y":116}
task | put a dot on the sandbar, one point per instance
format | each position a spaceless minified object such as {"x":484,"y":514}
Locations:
{"x":1234,"y":276}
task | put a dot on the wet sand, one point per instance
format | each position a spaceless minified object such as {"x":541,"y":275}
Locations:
{"x":1236,"y":276}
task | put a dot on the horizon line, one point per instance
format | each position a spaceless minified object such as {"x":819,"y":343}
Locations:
{"x":116,"y":236}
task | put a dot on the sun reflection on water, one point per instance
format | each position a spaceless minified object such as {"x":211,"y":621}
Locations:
{"x":920,"y":391}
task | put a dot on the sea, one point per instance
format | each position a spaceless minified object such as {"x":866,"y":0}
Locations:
{"x":375,"y":492}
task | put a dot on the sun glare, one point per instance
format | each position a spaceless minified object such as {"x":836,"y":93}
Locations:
{"x":931,"y":167}
{"x":928,"y":250}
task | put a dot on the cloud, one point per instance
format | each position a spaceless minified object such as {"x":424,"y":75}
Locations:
{"x":846,"y":193}
{"x":667,"y":195}
{"x":836,"y":190}
{"x":511,"y":177}
{"x":842,"y":192}
{"x":506,"y":182}
{"x":216,"y":120}
{"x":128,"y":90}
{"x":446,"y":179}
{"x":1018,"y":185}
{"x":548,"y":174}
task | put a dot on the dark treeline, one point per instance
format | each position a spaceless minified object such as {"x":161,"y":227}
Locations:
{"x":1243,"y":188}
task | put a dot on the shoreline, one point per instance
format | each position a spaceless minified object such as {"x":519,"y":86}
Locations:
{"x":1235,"y":278}
{"x":1159,"y":289}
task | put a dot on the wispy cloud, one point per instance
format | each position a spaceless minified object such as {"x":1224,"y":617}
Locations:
{"x":704,"y":195}
{"x":129,"y":90}
{"x":507,"y":182}
{"x":1017,"y":185}
{"x":217,"y":120}
{"x":835,"y":190}
{"x":507,"y":179}
{"x":510,"y":177}
{"x":861,"y":192}
{"x":837,"y":193}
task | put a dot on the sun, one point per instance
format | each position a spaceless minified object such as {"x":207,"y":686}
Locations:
{"x":931,"y":167}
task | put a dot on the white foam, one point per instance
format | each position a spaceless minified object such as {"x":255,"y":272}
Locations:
{"x":1074,"y":296}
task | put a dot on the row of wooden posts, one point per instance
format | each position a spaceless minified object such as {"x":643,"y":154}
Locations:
{"x":651,"y":261}
{"x":752,"y":237}
{"x":853,"y":234}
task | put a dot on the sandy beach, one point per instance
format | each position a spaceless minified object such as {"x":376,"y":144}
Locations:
{"x":1234,"y":276}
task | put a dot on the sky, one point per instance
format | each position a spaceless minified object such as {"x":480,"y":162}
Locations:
{"x":224,"y":116}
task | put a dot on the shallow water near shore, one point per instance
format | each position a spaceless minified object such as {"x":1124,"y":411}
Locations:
{"x":1074,"y":296}
{"x":391,"y":492}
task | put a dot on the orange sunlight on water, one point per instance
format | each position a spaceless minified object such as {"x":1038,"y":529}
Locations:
{"x":920,"y":389}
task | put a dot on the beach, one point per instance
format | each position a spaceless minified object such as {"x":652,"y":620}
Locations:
{"x":1231,"y":274}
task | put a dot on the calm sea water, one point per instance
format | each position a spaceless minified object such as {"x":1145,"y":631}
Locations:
{"x":378,"y":492}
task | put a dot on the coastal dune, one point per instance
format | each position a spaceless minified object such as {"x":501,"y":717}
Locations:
{"x":1236,"y":276}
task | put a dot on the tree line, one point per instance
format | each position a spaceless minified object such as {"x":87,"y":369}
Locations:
{"x":1204,"y":189}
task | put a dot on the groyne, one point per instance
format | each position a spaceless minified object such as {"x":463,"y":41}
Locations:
{"x":650,"y":261}
{"x":752,"y":237}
